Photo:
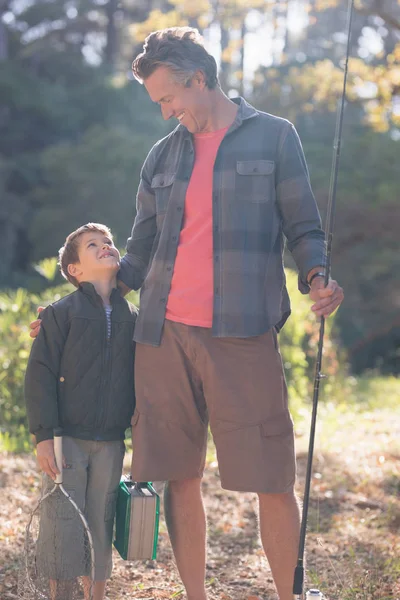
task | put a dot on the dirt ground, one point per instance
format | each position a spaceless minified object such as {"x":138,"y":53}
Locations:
{"x":353,"y":541}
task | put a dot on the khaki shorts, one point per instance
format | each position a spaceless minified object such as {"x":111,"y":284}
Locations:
{"x":91,"y":476}
{"x":235,"y":384}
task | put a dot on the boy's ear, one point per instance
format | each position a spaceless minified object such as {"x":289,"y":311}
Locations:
{"x":74,"y":269}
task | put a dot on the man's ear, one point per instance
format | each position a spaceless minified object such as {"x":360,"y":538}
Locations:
{"x":199,"y":79}
{"x":74,"y":269}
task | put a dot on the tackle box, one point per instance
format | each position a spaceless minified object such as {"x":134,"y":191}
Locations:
{"x":136,"y":520}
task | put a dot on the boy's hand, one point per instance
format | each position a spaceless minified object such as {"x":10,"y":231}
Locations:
{"x":35,"y":325}
{"x":46,"y":458}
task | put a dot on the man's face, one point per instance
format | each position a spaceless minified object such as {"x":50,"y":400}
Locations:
{"x":97,"y":256}
{"x":190,"y":105}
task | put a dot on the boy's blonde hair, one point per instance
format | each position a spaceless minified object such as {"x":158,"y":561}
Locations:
{"x":69,"y":252}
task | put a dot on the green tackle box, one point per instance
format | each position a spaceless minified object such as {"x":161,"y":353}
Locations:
{"x":136,"y":520}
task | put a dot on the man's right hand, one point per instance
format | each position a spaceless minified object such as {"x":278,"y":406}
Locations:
{"x":35,"y":325}
{"x":46,"y":458}
{"x":123,"y":288}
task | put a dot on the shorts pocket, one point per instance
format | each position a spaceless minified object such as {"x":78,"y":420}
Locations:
{"x":278,"y":424}
{"x":135,"y":419}
{"x":163,"y":450}
{"x":256,"y":457}
{"x":274,"y":425}
{"x":274,"y":335}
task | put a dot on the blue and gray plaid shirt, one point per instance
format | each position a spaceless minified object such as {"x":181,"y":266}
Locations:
{"x":261,"y":195}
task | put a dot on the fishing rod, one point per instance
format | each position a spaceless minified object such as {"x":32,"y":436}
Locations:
{"x":299,"y":571}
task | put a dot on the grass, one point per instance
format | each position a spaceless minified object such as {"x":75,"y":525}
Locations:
{"x":353,"y":541}
{"x":18,"y":442}
{"x":354,"y":520}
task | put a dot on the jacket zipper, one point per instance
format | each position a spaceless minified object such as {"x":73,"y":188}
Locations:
{"x":105,"y":378}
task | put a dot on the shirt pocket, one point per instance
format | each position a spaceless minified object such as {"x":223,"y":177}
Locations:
{"x":255,"y":180}
{"x":162,"y":186}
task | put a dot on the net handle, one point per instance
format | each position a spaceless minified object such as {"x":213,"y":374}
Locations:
{"x":58,"y":454}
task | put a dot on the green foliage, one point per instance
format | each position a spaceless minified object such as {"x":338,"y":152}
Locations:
{"x":17,"y":309}
{"x":72,"y":145}
{"x":63,"y":99}
{"x":365,"y":257}
{"x":293,"y":345}
{"x":74,"y":131}
{"x":48,"y":268}
{"x":90,"y":177}
{"x":299,"y":343}
{"x":15,"y":312}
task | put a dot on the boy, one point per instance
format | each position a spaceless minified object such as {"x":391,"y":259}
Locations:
{"x":80,"y":378}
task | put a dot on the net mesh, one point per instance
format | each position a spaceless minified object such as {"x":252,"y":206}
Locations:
{"x":58,"y":553}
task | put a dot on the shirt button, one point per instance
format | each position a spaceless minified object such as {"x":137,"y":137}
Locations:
{"x":255,"y":170}
{"x":179,"y":209}
{"x":62,"y":379}
{"x":216,"y":258}
{"x":174,"y":238}
{"x":163,"y":300}
{"x":169,"y":268}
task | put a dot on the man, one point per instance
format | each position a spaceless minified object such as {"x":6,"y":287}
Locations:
{"x":215,"y":200}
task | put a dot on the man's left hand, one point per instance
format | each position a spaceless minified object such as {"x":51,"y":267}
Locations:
{"x":326,"y":299}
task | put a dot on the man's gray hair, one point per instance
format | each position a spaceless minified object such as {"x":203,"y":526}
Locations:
{"x":180,"y":49}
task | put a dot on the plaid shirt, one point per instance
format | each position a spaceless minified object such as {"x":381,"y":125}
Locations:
{"x":261,"y":195}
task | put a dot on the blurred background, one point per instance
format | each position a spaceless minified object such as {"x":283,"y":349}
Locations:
{"x":75,"y":128}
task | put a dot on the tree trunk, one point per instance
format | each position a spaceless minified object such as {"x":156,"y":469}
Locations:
{"x":225,"y":65}
{"x":110,"y":52}
{"x":3,"y":33}
{"x":242,"y":50}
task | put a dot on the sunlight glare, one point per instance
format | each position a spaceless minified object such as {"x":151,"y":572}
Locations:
{"x":297,"y":18}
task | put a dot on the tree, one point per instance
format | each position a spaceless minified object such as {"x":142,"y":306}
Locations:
{"x":85,"y":181}
{"x":74,"y":129}
{"x":56,"y":108}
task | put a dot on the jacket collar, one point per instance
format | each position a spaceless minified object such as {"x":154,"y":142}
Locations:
{"x":89,"y":290}
{"x":245,"y":111}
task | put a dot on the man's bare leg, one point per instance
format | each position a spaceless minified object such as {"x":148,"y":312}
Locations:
{"x":280,"y":531}
{"x":186,"y":522}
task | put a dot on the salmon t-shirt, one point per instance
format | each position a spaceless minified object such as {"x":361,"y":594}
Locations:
{"x":190,"y":299}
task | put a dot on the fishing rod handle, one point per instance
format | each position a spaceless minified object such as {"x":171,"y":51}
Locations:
{"x":58,"y":454}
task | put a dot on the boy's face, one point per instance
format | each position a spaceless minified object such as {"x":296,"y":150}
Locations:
{"x":97,"y":257}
